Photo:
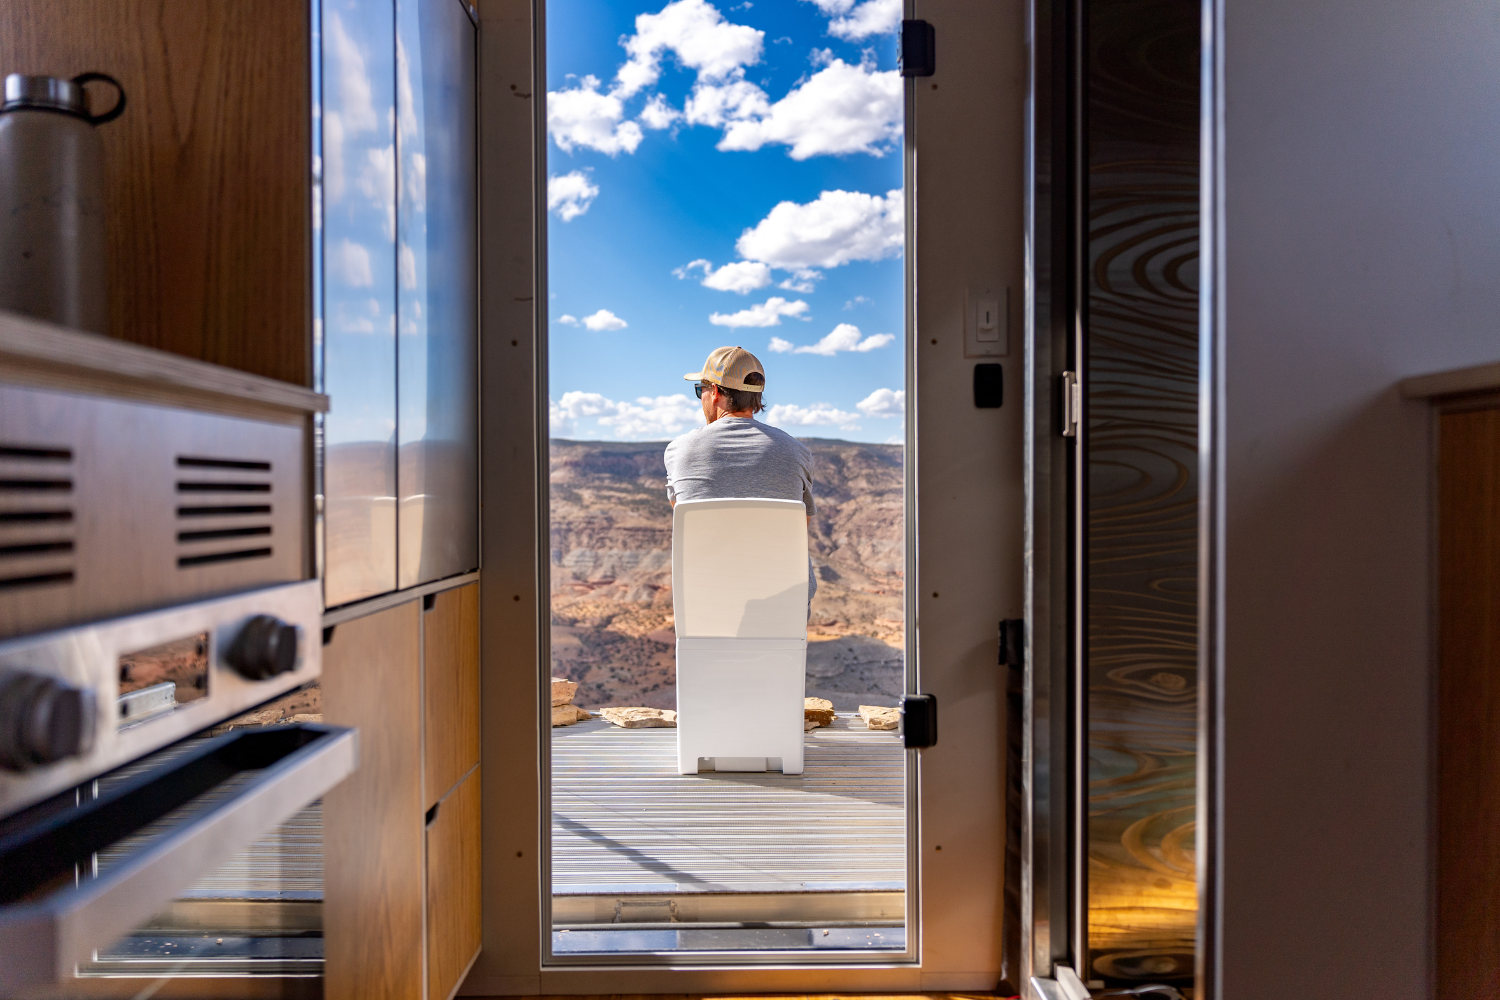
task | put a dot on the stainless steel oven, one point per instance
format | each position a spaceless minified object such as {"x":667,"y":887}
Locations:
{"x":160,"y":647}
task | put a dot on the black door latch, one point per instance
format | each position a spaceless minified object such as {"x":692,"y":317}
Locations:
{"x":1012,"y":642}
{"x":919,"y":721}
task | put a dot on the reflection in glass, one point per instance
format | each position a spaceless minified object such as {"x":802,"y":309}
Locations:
{"x":152,"y":682}
{"x":1141,"y":377}
{"x":437,"y":277}
{"x":359,"y":300}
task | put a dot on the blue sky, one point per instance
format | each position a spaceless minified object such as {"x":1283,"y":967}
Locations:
{"x":724,"y":174}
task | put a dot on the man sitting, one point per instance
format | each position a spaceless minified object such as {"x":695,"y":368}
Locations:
{"x":736,"y":456}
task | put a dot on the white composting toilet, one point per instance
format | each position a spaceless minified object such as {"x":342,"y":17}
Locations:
{"x":739,"y":596}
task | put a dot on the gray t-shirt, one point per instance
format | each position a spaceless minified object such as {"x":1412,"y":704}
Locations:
{"x":736,"y":457}
{"x":740,"y":457}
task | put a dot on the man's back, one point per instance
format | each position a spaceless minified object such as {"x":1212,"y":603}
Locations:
{"x":737,"y":457}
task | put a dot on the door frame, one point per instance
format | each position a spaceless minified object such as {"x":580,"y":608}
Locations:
{"x":955,"y":659}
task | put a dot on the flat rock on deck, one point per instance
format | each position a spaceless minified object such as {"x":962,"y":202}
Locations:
{"x":877,"y":717}
{"x":563,"y":691}
{"x":640,"y":718}
{"x":566,"y":715}
{"x":818,"y":711}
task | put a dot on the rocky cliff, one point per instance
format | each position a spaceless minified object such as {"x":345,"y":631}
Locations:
{"x":611,"y":542}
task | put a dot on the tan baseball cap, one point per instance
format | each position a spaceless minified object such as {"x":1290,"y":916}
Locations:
{"x":728,"y":366}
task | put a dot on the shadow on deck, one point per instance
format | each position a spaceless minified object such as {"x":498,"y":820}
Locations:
{"x":637,"y":847}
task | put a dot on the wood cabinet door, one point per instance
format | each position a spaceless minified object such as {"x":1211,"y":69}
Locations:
{"x":372,"y":822}
{"x":453,"y":887}
{"x":1468,"y":696}
{"x":450,"y":643}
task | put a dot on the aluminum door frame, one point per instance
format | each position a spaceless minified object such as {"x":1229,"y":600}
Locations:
{"x":910,"y":957}
{"x":1052,"y":886}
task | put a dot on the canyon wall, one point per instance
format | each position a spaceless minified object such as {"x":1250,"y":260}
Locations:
{"x":611,"y":559}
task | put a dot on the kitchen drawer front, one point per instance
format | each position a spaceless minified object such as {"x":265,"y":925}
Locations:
{"x":450,"y":643}
{"x":454,"y":923}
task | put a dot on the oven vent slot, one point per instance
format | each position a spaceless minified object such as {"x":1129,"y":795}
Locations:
{"x":224,"y":510}
{"x":36,"y":516}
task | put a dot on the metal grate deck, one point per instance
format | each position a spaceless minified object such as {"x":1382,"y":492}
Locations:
{"x":624,"y":820}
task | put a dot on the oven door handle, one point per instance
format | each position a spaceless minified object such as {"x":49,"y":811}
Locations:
{"x":43,"y":940}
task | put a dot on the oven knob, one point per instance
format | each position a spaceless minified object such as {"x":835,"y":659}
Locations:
{"x":265,"y":647}
{"x":43,"y":720}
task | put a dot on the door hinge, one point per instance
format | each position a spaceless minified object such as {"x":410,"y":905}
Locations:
{"x":1072,"y":404}
{"x":918,"y":48}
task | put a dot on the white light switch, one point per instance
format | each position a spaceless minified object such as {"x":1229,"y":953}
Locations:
{"x":988,"y":319}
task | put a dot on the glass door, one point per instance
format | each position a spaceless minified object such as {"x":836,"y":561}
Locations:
{"x":1139,"y":490}
{"x":724,"y":175}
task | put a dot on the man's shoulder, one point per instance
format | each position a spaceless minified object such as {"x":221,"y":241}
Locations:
{"x":683,"y":443}
{"x":782,"y":437}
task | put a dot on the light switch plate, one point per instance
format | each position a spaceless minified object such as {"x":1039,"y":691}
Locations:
{"x":987,"y":311}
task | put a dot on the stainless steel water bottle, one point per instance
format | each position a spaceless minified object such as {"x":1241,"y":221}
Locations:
{"x":54,"y":260}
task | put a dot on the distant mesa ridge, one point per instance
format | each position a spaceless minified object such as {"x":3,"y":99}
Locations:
{"x":611,"y":544}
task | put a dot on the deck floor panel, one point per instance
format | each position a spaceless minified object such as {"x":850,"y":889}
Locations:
{"x":624,"y":820}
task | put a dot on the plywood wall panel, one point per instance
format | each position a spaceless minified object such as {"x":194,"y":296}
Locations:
{"x":208,"y":171}
{"x":373,"y":821}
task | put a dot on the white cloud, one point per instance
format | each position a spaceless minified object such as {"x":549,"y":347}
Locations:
{"x":567,"y":320}
{"x":873,"y":17}
{"x":350,"y":106}
{"x":767,"y":313}
{"x":875,"y":341}
{"x":658,"y":114}
{"x":802,"y":281}
{"x":416,"y":180}
{"x":644,"y":419}
{"x":782,"y":346}
{"x":844,"y":338}
{"x":604,"y":320}
{"x":350,"y":263}
{"x":582,"y":116}
{"x":843,"y":108}
{"x":883,"y":403}
{"x":377,"y":181}
{"x":354,"y":96}
{"x":718,"y":105}
{"x":816,"y":415}
{"x":406,"y":265}
{"x":570,"y":194}
{"x":405,"y":97}
{"x":836,"y":228}
{"x":742,"y":276}
{"x":858,"y":300}
{"x":696,"y":33}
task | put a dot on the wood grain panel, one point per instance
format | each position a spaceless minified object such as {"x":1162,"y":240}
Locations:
{"x":1468,"y":728}
{"x":1141,"y":381}
{"x":372,"y":835}
{"x":208,"y":171}
{"x":454,"y":925}
{"x":450,"y":647}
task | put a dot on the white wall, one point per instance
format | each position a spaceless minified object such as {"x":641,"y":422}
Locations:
{"x":1362,"y":245}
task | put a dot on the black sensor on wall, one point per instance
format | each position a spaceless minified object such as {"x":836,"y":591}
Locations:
{"x":989,"y":386}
